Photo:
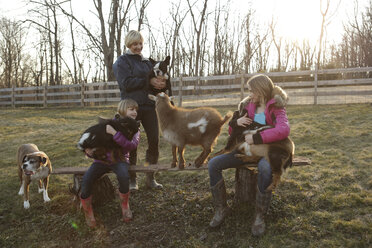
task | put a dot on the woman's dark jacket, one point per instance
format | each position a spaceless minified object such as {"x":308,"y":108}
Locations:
{"x":131,"y":72}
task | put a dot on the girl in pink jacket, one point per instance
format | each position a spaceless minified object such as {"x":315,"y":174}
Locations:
{"x":127,"y":107}
{"x":265,"y":105}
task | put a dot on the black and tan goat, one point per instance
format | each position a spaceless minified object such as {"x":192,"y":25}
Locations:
{"x":279,"y":154}
{"x":180,"y":127}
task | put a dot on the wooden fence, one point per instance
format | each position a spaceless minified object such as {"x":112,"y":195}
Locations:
{"x":330,"y":86}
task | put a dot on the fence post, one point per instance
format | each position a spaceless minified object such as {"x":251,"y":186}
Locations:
{"x":105,"y":94}
{"x":13,"y":96}
{"x":180,"y":93}
{"x":197,"y":86}
{"x":45,"y":96}
{"x":242,"y":87}
{"x":82,"y":93}
{"x":316,"y":86}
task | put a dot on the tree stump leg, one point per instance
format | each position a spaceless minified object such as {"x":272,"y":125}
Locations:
{"x":103,"y":190}
{"x":245,"y":185}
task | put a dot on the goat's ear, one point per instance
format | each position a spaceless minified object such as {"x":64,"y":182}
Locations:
{"x":152,"y":61}
{"x":167,"y":60}
{"x":102,"y":119}
{"x":171,"y":98}
{"x":152,"y":97}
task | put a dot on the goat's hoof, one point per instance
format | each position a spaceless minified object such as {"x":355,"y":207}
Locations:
{"x":173,"y":165}
{"x":181,"y":166}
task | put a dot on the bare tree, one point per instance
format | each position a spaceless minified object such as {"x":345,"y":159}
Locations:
{"x":11,"y":52}
{"x":220,"y":45}
{"x":326,"y":20}
{"x":307,"y":54}
{"x":198,"y":24}
{"x":73,"y":49}
{"x":47,"y":13}
{"x":278,"y":45}
{"x":289,"y":48}
{"x":254,"y":42}
{"x":103,"y":44}
{"x":124,"y":21}
{"x":360,"y":35}
{"x":263,"y":51}
{"x":178,"y":17}
{"x":141,"y":13}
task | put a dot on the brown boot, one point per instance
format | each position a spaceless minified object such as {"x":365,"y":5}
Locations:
{"x":219,"y":202}
{"x":151,"y":182}
{"x":262,"y":206}
{"x":88,"y":211}
{"x":125,"y":209}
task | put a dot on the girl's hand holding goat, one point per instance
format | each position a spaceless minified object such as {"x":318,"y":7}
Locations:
{"x":110,"y":130}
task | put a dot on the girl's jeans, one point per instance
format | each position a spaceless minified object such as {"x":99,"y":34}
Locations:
{"x":217,"y":164}
{"x":96,"y":170}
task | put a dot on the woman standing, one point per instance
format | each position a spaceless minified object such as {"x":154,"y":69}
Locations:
{"x":131,"y":70}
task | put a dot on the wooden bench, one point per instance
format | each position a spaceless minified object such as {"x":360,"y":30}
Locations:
{"x":245,"y":178}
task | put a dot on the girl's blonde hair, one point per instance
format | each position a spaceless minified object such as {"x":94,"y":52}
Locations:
{"x":261,"y":85}
{"x":125,"y":104}
{"x":131,"y":37}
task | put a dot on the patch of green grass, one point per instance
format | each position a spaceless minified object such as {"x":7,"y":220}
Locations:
{"x":325,"y":204}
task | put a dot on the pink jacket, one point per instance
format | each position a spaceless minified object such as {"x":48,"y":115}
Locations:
{"x":275,"y":115}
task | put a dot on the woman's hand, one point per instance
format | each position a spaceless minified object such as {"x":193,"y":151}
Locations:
{"x":249,"y":139}
{"x":158,"y":83}
{"x":244,"y":121}
{"x":110,"y":130}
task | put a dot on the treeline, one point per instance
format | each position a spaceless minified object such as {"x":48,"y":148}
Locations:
{"x":202,"y":38}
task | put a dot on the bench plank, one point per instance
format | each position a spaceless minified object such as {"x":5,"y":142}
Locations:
{"x":297,"y":161}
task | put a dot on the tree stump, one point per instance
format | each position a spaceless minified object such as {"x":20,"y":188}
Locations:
{"x":103,"y":190}
{"x":245,"y":185}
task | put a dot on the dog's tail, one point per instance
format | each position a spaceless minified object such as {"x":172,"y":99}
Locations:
{"x":227,"y":117}
{"x":289,"y":162}
{"x":279,"y":158}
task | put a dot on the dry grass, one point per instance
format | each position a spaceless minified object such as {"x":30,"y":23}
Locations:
{"x":327,"y":204}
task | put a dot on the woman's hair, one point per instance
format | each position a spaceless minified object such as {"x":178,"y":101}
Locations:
{"x":262,"y":86}
{"x":131,"y":37}
{"x":126,"y":104}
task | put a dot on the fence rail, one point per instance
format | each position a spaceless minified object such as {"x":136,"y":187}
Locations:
{"x":329,"y":86}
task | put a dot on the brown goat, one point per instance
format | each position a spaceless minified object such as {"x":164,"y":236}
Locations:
{"x":180,"y":127}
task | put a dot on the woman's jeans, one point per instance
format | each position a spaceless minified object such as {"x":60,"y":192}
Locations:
{"x":96,"y":170}
{"x":217,"y":164}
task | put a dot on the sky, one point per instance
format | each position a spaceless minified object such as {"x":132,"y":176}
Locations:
{"x":296,"y":19}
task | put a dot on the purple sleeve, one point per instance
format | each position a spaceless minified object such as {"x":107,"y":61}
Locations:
{"x":281,"y":129}
{"x":126,"y":144}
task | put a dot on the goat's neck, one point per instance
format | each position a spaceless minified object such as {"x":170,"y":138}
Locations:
{"x":165,"y":113}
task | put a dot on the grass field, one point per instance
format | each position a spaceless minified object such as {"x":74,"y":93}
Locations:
{"x":326,"y":204}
